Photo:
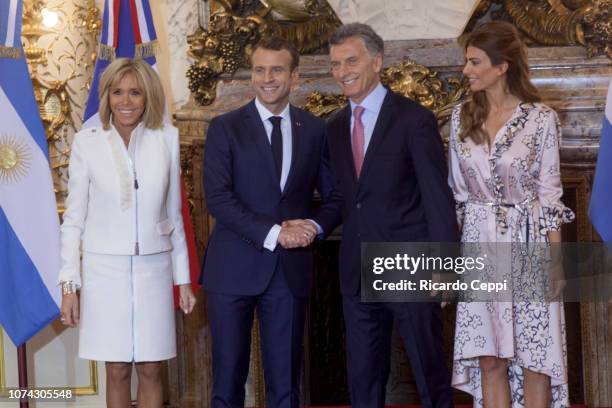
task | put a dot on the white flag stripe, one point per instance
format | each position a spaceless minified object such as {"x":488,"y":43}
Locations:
{"x":24,"y":214}
{"x":10,"y":30}
{"x":142,"y":22}
{"x":110,"y":41}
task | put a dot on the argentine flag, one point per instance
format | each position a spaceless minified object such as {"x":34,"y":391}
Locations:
{"x":29,"y":225}
{"x":600,"y":209}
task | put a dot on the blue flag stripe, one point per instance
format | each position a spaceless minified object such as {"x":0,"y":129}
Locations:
{"x":92,"y":100}
{"x":126,"y":40}
{"x":18,"y":88}
{"x":104,"y":35}
{"x":601,"y":197}
{"x":25,"y":303}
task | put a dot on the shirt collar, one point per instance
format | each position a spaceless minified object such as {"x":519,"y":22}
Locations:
{"x":265,"y":114}
{"x":136,"y":131}
{"x":373,"y":102}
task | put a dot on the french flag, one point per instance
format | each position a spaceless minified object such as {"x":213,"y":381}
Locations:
{"x":127,"y":31}
{"x":600,"y":209}
{"x":29,"y":223}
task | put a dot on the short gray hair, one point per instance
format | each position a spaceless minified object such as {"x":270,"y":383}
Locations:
{"x":373,"y":42}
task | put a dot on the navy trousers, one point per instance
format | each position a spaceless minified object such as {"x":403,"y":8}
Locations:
{"x":368,"y":346}
{"x":281,"y":318}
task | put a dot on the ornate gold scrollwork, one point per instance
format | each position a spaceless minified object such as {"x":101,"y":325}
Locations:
{"x":419,"y":83}
{"x":564,"y":22}
{"x":60,"y":64}
{"x":409,"y":79}
{"x":236,"y":25}
{"x":193,"y":153}
{"x":598,"y":29}
{"x":188,"y":154}
{"x":323,"y":104}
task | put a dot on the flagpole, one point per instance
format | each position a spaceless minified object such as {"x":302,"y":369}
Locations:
{"x":22,"y":368}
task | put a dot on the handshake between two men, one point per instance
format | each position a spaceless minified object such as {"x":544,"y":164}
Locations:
{"x":297,"y":233}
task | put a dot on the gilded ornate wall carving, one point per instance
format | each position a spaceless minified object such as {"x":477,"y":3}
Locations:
{"x":569,"y":82}
{"x":61,"y":59}
{"x":409,"y":79}
{"x":225,"y":43}
{"x":561,"y":22}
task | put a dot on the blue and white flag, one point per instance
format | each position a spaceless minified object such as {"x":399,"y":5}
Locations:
{"x":127,"y":31}
{"x":600,"y":209}
{"x":29,"y":224}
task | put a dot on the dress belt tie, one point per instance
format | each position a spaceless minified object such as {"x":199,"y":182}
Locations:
{"x":501,"y":209}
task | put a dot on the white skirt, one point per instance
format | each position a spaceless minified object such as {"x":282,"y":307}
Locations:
{"x":127,"y":308}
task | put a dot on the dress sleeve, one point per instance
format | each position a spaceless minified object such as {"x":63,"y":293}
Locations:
{"x":455,"y":176}
{"x":549,"y":189}
{"x":75,"y":213}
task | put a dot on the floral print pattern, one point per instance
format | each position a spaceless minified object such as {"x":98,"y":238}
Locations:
{"x":511,"y":193}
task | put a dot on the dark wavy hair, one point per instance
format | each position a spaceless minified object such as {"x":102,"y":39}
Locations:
{"x":501,"y":42}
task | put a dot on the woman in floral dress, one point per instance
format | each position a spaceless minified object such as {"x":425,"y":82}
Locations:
{"x":504,"y":172}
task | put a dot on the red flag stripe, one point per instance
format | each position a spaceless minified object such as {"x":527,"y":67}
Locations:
{"x":115,"y":23}
{"x":135,"y":24}
{"x":194,"y":260}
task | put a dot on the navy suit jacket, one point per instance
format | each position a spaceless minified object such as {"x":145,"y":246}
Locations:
{"x":402,"y":194}
{"x":243,"y":195}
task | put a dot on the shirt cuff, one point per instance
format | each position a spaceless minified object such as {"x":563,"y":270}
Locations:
{"x":319,"y":229}
{"x":272,"y":238}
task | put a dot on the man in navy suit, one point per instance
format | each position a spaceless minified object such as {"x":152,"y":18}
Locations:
{"x":262,"y":163}
{"x":388,"y":158}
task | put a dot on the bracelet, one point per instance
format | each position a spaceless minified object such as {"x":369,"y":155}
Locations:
{"x":69,"y":288}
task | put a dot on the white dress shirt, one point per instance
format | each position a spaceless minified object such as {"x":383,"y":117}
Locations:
{"x":372,"y":105}
{"x":272,"y":237}
{"x":265,"y":116}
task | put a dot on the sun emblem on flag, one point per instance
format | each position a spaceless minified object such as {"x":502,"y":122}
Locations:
{"x":15,"y":159}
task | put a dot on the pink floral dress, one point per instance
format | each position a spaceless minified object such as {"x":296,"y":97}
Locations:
{"x":510,"y":193}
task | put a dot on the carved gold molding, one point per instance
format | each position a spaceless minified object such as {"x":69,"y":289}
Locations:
{"x":61,"y":60}
{"x":562,"y":22}
{"x":234,"y":26}
{"x":188,"y":154}
{"x":409,"y":79}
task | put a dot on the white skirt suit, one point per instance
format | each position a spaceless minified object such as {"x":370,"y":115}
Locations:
{"x":123,"y":213}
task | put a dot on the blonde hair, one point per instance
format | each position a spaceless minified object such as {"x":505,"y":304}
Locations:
{"x":149,"y":82}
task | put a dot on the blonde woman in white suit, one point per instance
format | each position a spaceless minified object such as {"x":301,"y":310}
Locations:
{"x":123,"y":214}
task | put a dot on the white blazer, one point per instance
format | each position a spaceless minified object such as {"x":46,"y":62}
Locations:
{"x":124,"y":201}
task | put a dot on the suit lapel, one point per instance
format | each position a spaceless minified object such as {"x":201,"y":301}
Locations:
{"x":380,"y":128}
{"x":255,"y":126}
{"x":297,"y":140}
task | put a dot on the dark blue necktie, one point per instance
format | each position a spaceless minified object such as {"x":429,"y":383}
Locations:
{"x":277,"y":144}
